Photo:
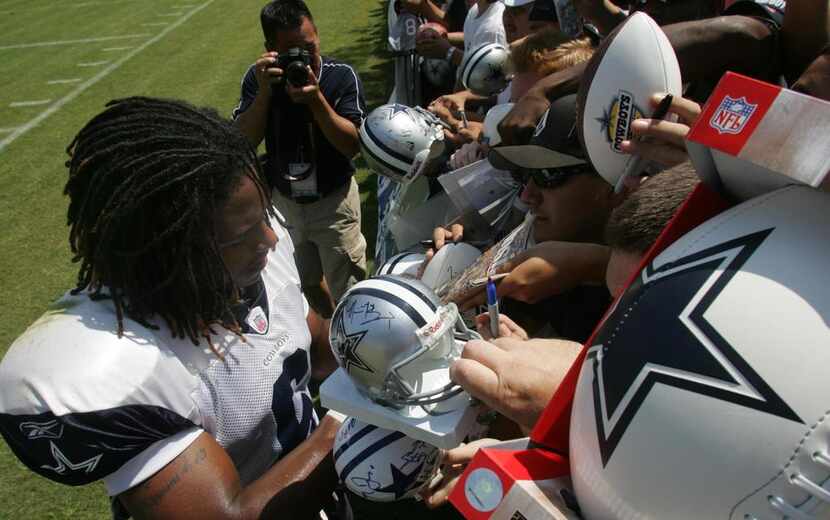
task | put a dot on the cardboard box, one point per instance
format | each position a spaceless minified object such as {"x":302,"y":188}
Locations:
{"x":753,"y":137}
{"x":512,"y":481}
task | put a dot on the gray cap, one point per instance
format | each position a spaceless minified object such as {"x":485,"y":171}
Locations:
{"x":516,"y":3}
{"x":554,"y":143}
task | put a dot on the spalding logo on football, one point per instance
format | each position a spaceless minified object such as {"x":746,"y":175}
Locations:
{"x":382,"y":465}
{"x":705,"y":394}
{"x":633,"y":63}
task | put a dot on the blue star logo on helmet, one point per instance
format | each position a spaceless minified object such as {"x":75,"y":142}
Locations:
{"x":346,"y":346}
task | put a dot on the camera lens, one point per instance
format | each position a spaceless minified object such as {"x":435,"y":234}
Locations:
{"x":297,"y":74}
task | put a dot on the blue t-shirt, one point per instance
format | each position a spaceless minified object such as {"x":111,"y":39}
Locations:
{"x":286,"y":137}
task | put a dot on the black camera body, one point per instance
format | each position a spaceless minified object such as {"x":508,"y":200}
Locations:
{"x":293,"y":63}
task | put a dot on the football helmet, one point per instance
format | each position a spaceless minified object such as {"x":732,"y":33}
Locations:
{"x":392,"y":137}
{"x":705,"y":392}
{"x":382,"y":465}
{"x":437,"y":71}
{"x":484,"y":69}
{"x":396,"y":341}
{"x":403,"y":264}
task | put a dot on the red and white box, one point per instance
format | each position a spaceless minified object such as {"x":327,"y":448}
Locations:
{"x":512,"y":481}
{"x":753,"y":138}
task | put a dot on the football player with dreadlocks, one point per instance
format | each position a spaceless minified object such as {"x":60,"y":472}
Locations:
{"x":176,"y":370}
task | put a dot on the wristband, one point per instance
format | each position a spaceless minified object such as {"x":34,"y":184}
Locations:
{"x":450,"y":53}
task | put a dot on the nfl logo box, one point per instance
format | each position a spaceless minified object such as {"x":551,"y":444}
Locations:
{"x":512,"y":481}
{"x":753,"y":138}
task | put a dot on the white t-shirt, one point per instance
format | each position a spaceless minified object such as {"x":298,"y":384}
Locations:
{"x":79,"y":404}
{"x":484,"y":28}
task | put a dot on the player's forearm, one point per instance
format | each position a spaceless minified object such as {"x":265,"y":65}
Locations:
{"x":252,"y":122}
{"x":298,"y":484}
{"x":338,"y":130}
{"x":805,"y":32}
{"x":604,"y":15}
{"x":456,"y":38}
{"x":432,"y":12}
{"x":710,"y":47}
{"x":322,"y":358}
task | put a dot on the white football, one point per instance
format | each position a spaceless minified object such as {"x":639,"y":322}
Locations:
{"x":706,"y":392}
{"x":382,"y":465}
{"x":403,"y":264}
{"x":633,"y":63}
{"x":448,"y":264}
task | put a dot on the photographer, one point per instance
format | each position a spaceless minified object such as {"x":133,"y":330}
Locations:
{"x":308,"y":109}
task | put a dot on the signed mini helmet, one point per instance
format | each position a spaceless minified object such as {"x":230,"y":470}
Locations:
{"x":393,"y":135}
{"x":485,"y":69}
{"x":382,"y":465}
{"x":396,"y":341}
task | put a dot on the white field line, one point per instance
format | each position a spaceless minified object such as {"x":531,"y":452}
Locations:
{"x":116,"y":49}
{"x":63,"y":81}
{"x":169,"y":14}
{"x":7,"y":130}
{"x":72,"y":42}
{"x":16,"y":104}
{"x":154,"y":24}
{"x":80,"y":89}
{"x":53,"y":7}
{"x":93,"y":63}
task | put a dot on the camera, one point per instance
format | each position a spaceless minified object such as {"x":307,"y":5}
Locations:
{"x":293,"y":63}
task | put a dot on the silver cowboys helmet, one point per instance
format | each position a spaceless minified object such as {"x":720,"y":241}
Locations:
{"x":437,"y":71}
{"x":392,"y":137}
{"x":485,"y":69}
{"x":396,"y":341}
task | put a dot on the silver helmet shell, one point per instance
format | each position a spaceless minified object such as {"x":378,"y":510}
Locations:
{"x":382,"y":465}
{"x":393,"y":135}
{"x":396,"y":341}
{"x":485,"y":70}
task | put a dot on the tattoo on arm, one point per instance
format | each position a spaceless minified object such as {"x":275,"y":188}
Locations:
{"x":186,"y":467}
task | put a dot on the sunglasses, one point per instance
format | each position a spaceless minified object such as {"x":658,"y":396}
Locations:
{"x":548,"y":178}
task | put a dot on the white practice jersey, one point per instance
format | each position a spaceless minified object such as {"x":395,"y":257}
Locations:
{"x":78,"y":404}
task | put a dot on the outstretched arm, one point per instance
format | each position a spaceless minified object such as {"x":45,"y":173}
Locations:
{"x":202,"y":482}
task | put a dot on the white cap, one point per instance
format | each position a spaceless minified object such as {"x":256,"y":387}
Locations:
{"x":516,"y":3}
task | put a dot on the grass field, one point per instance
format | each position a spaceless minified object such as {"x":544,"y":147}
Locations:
{"x":60,"y":62}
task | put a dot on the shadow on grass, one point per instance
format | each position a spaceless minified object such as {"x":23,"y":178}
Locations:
{"x":369,"y":55}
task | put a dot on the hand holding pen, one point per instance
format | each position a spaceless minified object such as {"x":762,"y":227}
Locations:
{"x":663,"y":141}
{"x":638,"y":163}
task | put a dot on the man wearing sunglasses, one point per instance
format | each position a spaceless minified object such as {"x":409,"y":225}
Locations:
{"x":570,"y":204}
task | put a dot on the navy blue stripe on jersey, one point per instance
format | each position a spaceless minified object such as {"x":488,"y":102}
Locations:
{"x":353,"y":440}
{"x":411,"y":289}
{"x":414,"y":315}
{"x":80,"y":448}
{"x":368,"y":452}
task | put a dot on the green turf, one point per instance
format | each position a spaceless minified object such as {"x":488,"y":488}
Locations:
{"x":201,"y":61}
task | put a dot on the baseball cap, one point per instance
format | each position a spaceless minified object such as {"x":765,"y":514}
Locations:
{"x":516,"y":3}
{"x":554,"y":144}
{"x":543,"y":11}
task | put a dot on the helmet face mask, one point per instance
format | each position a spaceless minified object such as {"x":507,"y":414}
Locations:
{"x":396,"y":342}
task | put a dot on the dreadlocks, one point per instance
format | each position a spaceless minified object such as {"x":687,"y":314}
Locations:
{"x":147,"y":178}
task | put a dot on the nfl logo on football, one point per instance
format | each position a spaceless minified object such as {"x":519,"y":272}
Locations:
{"x":732,"y":115}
